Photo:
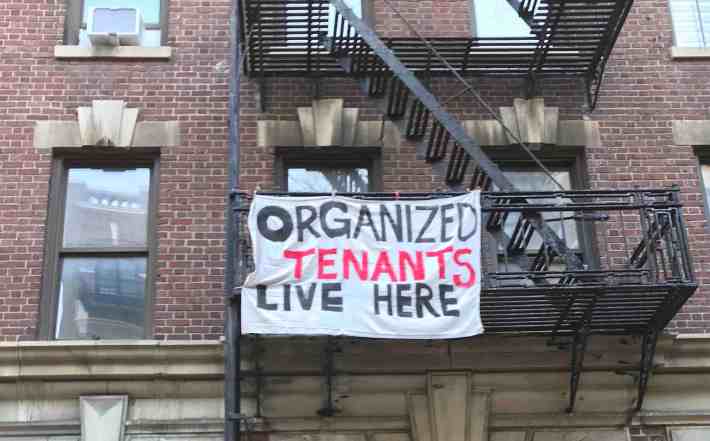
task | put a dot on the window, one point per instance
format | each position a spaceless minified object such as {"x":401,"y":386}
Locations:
{"x":153,"y":13}
{"x":531,"y":179}
{"x":304,"y":22}
{"x":567,"y":167}
{"x":705,"y":179}
{"x":496,"y":19}
{"x":99,"y":250}
{"x":691,"y":22}
{"x":340,"y":169}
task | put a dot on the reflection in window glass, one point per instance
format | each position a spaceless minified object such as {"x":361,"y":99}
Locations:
{"x":355,"y":5}
{"x":101,"y":297}
{"x":297,"y":18}
{"x":496,"y":18}
{"x":106,"y":207}
{"x":149,"y":9}
{"x":534,"y":180}
{"x":345,"y":180}
{"x":691,"y":22}
{"x":706,"y":183}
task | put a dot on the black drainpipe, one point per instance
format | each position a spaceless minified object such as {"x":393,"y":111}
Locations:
{"x":232,"y":326}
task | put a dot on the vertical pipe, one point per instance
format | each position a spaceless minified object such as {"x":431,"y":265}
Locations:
{"x":232,"y":328}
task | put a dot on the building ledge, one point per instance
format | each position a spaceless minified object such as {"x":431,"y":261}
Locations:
{"x":684,"y":53}
{"x":145,"y":359}
{"x":114,"y":52}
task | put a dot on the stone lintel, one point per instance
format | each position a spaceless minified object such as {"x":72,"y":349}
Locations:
{"x":685,"y":53}
{"x":691,"y":132}
{"x":113,"y":52}
{"x":66,"y":134}
{"x":489,"y":133}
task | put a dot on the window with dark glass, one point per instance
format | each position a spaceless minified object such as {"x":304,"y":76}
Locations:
{"x":705,"y":182}
{"x":497,"y":19}
{"x":117,"y":15}
{"x":343,"y":170}
{"x":568,"y":228}
{"x":305,"y":20}
{"x":98,"y":266}
{"x":691,"y":22}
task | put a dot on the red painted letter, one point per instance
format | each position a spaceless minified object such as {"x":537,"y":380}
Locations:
{"x":417,"y":268}
{"x":323,"y":263}
{"x":440,"y":259}
{"x":360,"y":269}
{"x":298,"y":255}
{"x":383,"y":265}
{"x":471,"y":271}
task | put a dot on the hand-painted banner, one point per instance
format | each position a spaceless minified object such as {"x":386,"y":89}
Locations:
{"x":383,"y":269}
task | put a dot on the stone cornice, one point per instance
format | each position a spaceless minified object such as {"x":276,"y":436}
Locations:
{"x":60,"y":360}
{"x":145,"y":359}
{"x":106,"y":123}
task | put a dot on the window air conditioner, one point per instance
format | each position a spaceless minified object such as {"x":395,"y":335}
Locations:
{"x":115,"y":26}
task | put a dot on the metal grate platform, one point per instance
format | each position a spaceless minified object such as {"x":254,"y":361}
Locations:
{"x":567,"y":38}
{"x":639,"y":274}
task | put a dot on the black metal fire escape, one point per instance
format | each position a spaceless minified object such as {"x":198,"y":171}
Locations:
{"x":637,"y":296}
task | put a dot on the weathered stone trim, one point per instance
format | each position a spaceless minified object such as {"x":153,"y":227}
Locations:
{"x":326,"y":123}
{"x":684,"y":53}
{"x":60,"y":360}
{"x":489,"y":133}
{"x":691,"y":132}
{"x":113,"y":52}
{"x":106,"y":123}
{"x":169,"y":383}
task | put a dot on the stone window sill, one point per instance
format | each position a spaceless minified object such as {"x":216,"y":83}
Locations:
{"x":686,"y":53}
{"x":114,"y":52}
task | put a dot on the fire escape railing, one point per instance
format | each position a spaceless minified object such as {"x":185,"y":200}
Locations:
{"x":566,"y":265}
{"x":568,"y":39}
{"x":637,"y":272}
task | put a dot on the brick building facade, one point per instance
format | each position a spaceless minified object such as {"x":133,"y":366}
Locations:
{"x":65,"y":105}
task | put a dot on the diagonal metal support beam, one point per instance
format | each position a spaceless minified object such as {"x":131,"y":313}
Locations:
{"x":648,"y":351}
{"x":522,"y":11}
{"x":329,"y":349}
{"x":579,"y":348}
{"x":454,"y":128}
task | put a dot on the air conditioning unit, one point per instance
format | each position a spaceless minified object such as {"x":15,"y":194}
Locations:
{"x":115,"y":26}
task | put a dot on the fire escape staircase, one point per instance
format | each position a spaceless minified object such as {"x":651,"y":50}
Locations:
{"x":583,"y":302}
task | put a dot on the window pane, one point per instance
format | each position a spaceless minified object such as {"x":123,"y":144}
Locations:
{"x":691,"y":22}
{"x":496,"y":18}
{"x":348,"y":180}
{"x":101,"y":297}
{"x":706,"y":183}
{"x":150,"y":11}
{"x":355,"y":5}
{"x":534,"y":180}
{"x":106,"y":207}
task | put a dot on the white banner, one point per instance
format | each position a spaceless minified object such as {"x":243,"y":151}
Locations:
{"x":382,"y":269}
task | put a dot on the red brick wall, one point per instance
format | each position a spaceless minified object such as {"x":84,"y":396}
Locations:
{"x":191,"y":88}
{"x":643,"y":92}
{"x":428,"y":17}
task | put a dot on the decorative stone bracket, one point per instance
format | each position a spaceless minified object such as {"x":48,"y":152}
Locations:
{"x":103,"y":418}
{"x":326,"y":123}
{"x":451,"y":410}
{"x":533,"y":123}
{"x":107,"y":123}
